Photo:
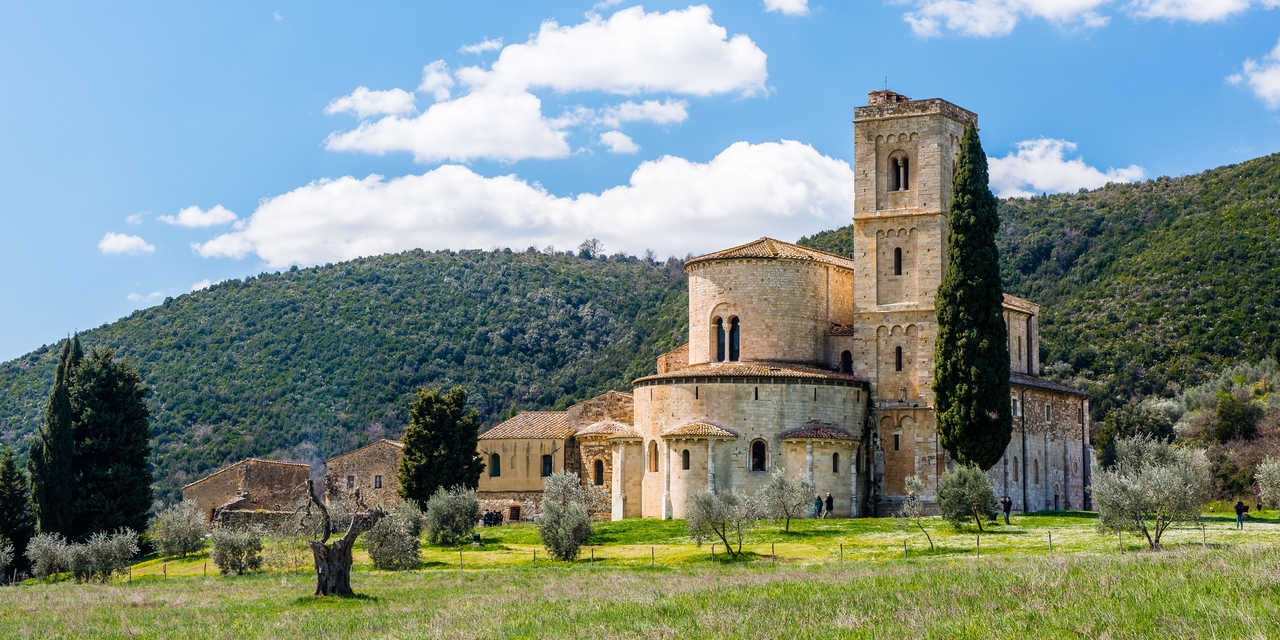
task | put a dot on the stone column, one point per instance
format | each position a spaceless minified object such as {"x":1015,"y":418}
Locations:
{"x":808,"y":461}
{"x":711,"y":466}
{"x":666,"y":480}
{"x":619,"y":505}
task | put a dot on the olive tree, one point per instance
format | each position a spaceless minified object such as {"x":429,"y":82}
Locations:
{"x":1152,"y":485}
{"x":565,"y":523}
{"x":102,"y":555}
{"x":783,"y":499}
{"x":237,"y":551}
{"x":911,"y":513}
{"x":965,"y":492}
{"x":47,"y":553}
{"x":726,"y":516}
{"x":394,"y":541}
{"x":1268,"y":478}
{"x":452,"y":514}
{"x":179,"y":529}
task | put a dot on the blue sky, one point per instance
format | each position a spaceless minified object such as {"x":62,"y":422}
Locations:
{"x":146,"y":150}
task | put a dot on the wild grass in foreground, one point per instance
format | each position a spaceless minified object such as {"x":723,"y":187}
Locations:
{"x":1189,"y":592}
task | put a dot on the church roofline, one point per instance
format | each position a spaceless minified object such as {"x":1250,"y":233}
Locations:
{"x":746,"y":370}
{"x":910,"y":108}
{"x":767,"y":248}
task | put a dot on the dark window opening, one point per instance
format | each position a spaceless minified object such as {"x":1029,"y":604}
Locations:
{"x":897,"y":440}
{"x":897,"y":358}
{"x":495,"y":465}
{"x":719,"y":340}
{"x":684,"y":459}
{"x":735,"y":336}
{"x":351,"y":482}
{"x":377,"y":482}
{"x":695,"y":393}
{"x":897,"y":261}
{"x":846,"y":362}
{"x":835,"y":463}
{"x":546,"y":465}
{"x":757,"y":393}
{"x":513,"y":514}
{"x":758,"y":455}
{"x":899,"y":174}
{"x":599,"y":472}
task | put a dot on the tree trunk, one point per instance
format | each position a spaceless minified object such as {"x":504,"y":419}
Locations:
{"x":333,"y":561}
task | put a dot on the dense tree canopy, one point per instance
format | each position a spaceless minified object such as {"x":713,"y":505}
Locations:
{"x":439,"y":445}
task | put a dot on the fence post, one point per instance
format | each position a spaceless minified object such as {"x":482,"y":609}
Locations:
{"x":165,"y":567}
{"x":205,"y":570}
{"x":904,"y":549}
{"x":1050,"y":542}
{"x":713,"y":552}
{"x":593,"y":555}
{"x":459,"y":562}
{"x":979,"y":537}
{"x":651,"y":558}
{"x":841,"y":552}
{"x":535,"y":558}
{"x":773,"y":552}
{"x":1120,"y":537}
{"x":1204,"y":543}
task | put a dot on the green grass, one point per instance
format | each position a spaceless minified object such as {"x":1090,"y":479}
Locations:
{"x":1229,"y":588}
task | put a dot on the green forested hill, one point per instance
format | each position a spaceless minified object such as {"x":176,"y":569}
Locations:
{"x":1145,"y":288}
{"x":311,"y":362}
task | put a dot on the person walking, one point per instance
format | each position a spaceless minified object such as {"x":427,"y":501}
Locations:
{"x":831,"y":504}
{"x":817,"y":505}
{"x":1006,"y":505}
{"x":1241,"y":509}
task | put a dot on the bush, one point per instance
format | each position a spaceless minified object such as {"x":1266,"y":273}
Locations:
{"x":451,"y":515}
{"x":726,"y":516}
{"x":1268,"y":478}
{"x":237,"y":551}
{"x":1152,"y":485}
{"x":1128,"y":421}
{"x":102,"y":556}
{"x":180,"y":529}
{"x":393,"y":541}
{"x":47,"y":553}
{"x":6,"y":556}
{"x":784,"y":499}
{"x":565,"y":523}
{"x":965,"y":492}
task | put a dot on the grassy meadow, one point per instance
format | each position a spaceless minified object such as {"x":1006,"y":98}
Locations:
{"x":649,"y":580}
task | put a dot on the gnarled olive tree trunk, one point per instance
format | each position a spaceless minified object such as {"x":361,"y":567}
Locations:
{"x":333,"y":561}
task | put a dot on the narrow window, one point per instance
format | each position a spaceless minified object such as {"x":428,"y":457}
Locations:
{"x":653,"y":456}
{"x":377,"y":482}
{"x":904,"y":171}
{"x":815,"y":394}
{"x":758,"y":455}
{"x":846,"y":362}
{"x":495,"y":465}
{"x":895,"y":174}
{"x":351,"y":482}
{"x":1019,"y":347}
{"x":546,"y":465}
{"x":695,"y":393}
{"x":897,"y":261}
{"x":599,"y":472}
{"x":757,"y":393}
{"x":684,"y":459}
{"x":835,"y":463}
{"x":719,"y":340}
{"x":897,"y":358}
{"x":1035,"y":471}
{"x":1015,"y":468}
{"x":897,"y":440}
{"x":1048,"y":410}
{"x":735,"y":335}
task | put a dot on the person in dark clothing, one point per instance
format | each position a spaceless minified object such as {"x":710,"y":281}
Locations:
{"x":817,"y":506}
{"x":1006,"y":505}
{"x":1241,"y":509}
{"x":831,"y":504}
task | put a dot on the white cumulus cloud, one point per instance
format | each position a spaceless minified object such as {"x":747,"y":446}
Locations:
{"x":672,"y":205}
{"x":788,"y":7}
{"x":1041,"y":165}
{"x":136,"y":218}
{"x":124,"y":244}
{"x":657,"y":112}
{"x":488,"y":44}
{"x":365,"y":102}
{"x":195,"y":217}
{"x":436,"y":80}
{"x":1263,"y":77}
{"x":618,"y":142}
{"x":1195,"y":10}
{"x":990,"y":18}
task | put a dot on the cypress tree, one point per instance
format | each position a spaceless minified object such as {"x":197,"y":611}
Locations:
{"x":112,"y":446}
{"x":971,"y":359}
{"x":50,"y":458}
{"x":17,"y":518}
{"x":439,"y":445}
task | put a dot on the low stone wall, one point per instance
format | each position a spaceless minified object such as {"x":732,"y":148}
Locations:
{"x":241,"y":518}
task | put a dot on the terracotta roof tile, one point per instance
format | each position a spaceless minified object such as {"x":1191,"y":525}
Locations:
{"x":604,"y":428}
{"x":753,"y":370}
{"x":769,"y":248}
{"x":375,"y":443}
{"x":246,"y":461}
{"x":1040,"y":383}
{"x":698,"y":430}
{"x":818,"y":432}
{"x":532,"y":424}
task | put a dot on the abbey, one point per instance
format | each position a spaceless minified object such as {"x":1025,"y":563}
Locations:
{"x":810,"y":363}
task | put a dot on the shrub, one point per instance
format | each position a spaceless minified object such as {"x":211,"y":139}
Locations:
{"x":393,"y":541}
{"x":965,"y":492}
{"x":451,"y":514}
{"x":1152,"y":485}
{"x":47,"y":553}
{"x":1268,"y":478}
{"x":102,"y":556}
{"x":784,"y":499}
{"x":1127,"y":421}
{"x":6,"y":556}
{"x":180,"y":529}
{"x":565,"y":523}
{"x":237,"y":551}
{"x":726,"y":516}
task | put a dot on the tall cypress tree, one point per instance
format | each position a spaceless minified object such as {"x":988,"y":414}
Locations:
{"x":971,"y":359}
{"x":17,"y":519}
{"x":439,"y":445}
{"x":112,"y":445}
{"x":50,"y":458}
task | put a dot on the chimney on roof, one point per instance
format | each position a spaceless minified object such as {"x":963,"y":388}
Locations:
{"x":885,"y":96}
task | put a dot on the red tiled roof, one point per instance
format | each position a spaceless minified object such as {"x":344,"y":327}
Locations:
{"x":241,"y":462}
{"x":396,"y":443}
{"x":768,"y":248}
{"x":752,"y":370}
{"x":604,"y":428}
{"x":818,"y":432}
{"x":698,"y":430}
{"x":532,"y":424}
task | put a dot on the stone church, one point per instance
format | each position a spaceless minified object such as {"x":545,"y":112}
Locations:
{"x":811,"y":363}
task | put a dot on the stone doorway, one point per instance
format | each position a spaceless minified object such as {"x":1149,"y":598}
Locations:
{"x":513,"y":513}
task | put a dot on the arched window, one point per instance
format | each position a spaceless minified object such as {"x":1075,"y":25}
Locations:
{"x":599,"y":472}
{"x":719,"y":323}
{"x":899,"y":173}
{"x":495,"y":465}
{"x":835,"y":463}
{"x":846,"y":362}
{"x":684,"y":459}
{"x":735,"y":336}
{"x":759,"y":455}
{"x":548,"y":465}
{"x":897,"y":261}
{"x":897,"y":358}
{"x":653,"y":456}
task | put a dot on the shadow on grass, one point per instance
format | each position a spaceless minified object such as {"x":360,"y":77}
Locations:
{"x":335,"y":601}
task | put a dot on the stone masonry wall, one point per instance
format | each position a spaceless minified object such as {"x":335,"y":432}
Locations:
{"x":372,"y":470}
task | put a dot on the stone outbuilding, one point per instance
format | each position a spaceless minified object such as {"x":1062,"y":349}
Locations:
{"x":252,"y":484}
{"x":371,"y":470}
